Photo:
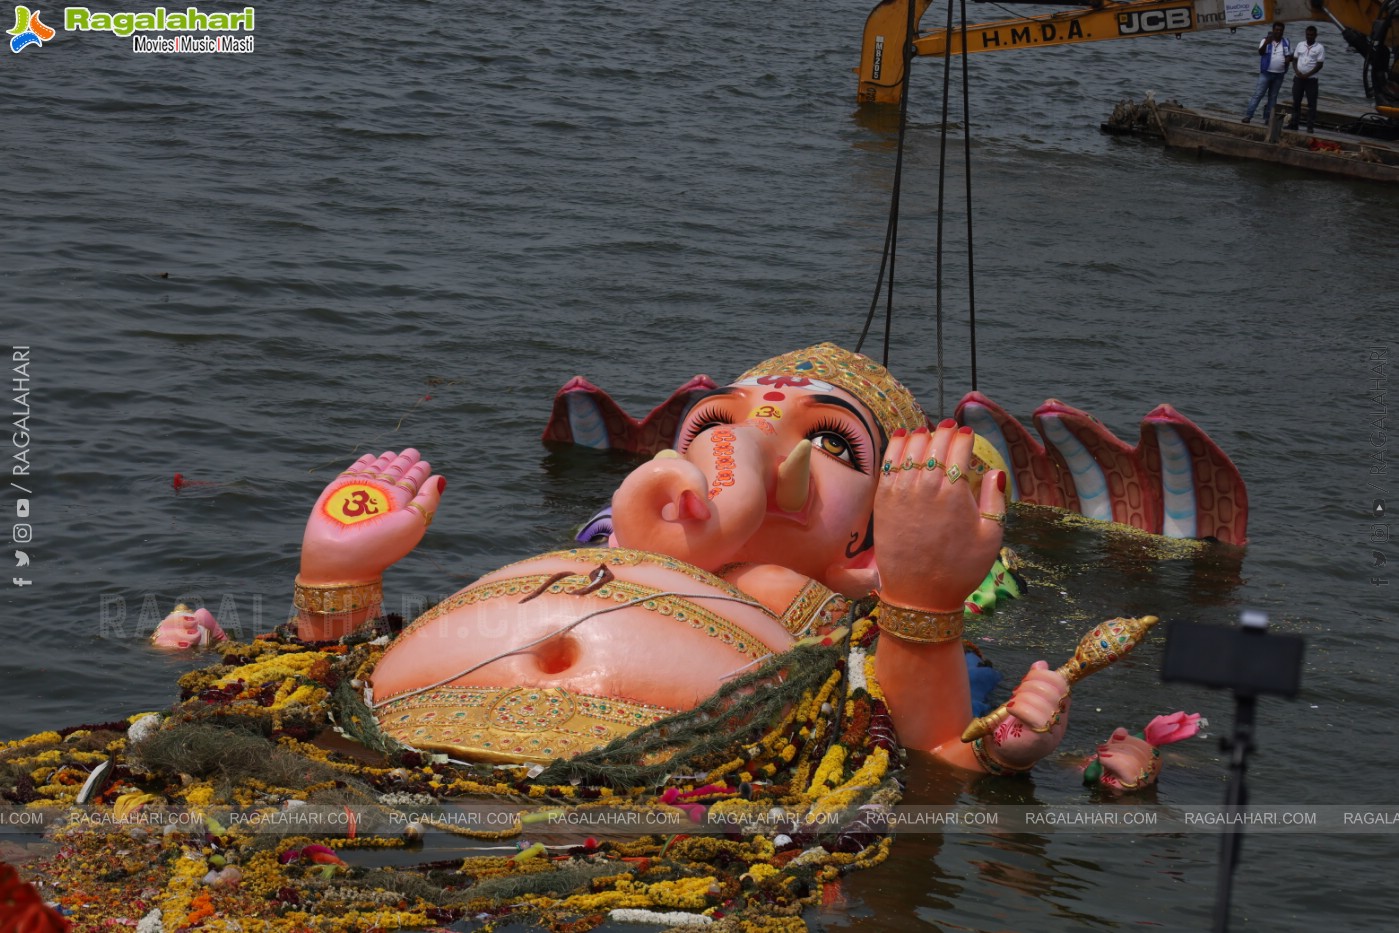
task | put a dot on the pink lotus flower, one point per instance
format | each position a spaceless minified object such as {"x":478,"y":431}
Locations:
{"x":1163,"y":730}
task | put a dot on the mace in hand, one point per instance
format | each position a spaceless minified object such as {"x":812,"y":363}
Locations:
{"x":1104,"y":644}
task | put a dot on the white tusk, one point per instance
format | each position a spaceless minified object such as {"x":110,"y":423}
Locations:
{"x":666,"y":454}
{"x":794,"y":478}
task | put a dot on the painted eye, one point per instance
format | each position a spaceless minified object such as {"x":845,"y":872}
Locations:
{"x":834,"y":444}
{"x":701,"y":421}
{"x":837,"y":440}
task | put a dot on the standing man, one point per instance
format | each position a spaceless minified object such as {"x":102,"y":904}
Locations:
{"x":1307,"y":62}
{"x":1274,"y":52}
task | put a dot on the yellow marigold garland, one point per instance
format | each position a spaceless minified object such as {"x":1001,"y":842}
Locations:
{"x":799,"y":767}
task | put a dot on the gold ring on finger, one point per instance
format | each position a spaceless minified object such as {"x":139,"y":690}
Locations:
{"x":908,"y":464}
{"x":888,"y":467}
{"x":954,"y":473}
{"x":427,"y":516}
{"x":406,"y":485}
{"x":994,"y":516}
{"x":932,"y":464}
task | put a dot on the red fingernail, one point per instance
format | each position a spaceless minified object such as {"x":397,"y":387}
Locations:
{"x":1000,"y":482}
{"x":900,"y":432}
{"x":965,"y":429}
{"x":947,"y":423}
{"x":441,"y":484}
{"x":922,"y":430}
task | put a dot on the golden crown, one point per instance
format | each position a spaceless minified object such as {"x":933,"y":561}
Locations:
{"x":886,"y":398}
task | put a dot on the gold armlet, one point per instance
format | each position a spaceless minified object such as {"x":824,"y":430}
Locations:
{"x":337,"y":598}
{"x":917,"y":625}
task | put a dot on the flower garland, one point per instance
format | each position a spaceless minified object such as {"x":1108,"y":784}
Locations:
{"x":821,"y":746}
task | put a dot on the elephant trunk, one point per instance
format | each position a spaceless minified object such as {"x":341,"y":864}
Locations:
{"x":704,"y":505}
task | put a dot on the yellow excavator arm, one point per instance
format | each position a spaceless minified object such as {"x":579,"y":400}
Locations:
{"x":1369,"y":26}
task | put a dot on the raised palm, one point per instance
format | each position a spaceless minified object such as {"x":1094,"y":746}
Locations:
{"x":369,"y":517}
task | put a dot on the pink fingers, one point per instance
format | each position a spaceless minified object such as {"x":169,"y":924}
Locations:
{"x":412,"y":479}
{"x":401,"y":464}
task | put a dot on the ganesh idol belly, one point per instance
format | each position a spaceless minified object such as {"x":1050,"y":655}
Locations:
{"x":727,"y":548}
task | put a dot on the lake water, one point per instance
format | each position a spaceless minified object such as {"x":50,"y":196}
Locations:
{"x":409,"y":224}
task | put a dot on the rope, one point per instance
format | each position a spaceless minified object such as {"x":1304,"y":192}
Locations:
{"x":891,"y":230}
{"x":942,"y":178}
{"x":887,"y":260}
{"x":967,"y":161}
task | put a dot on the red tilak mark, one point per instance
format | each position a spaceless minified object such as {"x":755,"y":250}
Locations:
{"x":778,"y":382}
{"x":774,"y":397}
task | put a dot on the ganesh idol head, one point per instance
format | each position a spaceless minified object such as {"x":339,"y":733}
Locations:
{"x":779,"y":467}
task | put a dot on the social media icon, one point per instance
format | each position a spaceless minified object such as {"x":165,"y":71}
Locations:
{"x":22,"y":508}
{"x":1377,"y":559}
{"x":22,"y":533}
{"x":21,"y":559}
{"x":1378,"y":508}
{"x":20,"y":581}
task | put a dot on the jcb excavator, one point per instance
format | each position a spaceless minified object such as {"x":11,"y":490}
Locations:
{"x":1370,"y":27}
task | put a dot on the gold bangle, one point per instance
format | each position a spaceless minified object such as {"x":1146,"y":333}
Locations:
{"x":1145,"y":775}
{"x":337,"y":598}
{"x":992,"y":766}
{"x":918,"y":625}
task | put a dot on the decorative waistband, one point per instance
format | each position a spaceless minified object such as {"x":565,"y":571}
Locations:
{"x":512,"y":724}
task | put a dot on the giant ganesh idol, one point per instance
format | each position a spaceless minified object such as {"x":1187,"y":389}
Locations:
{"x":811,"y":481}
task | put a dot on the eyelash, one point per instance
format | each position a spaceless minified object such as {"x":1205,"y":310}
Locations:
{"x":706,"y":418}
{"x":701,"y":421}
{"x":857,"y":446}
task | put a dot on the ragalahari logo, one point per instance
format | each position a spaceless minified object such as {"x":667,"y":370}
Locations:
{"x":29,"y":30}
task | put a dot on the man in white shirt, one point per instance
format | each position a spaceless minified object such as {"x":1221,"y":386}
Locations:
{"x":1307,"y":60}
{"x":1274,"y":52}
